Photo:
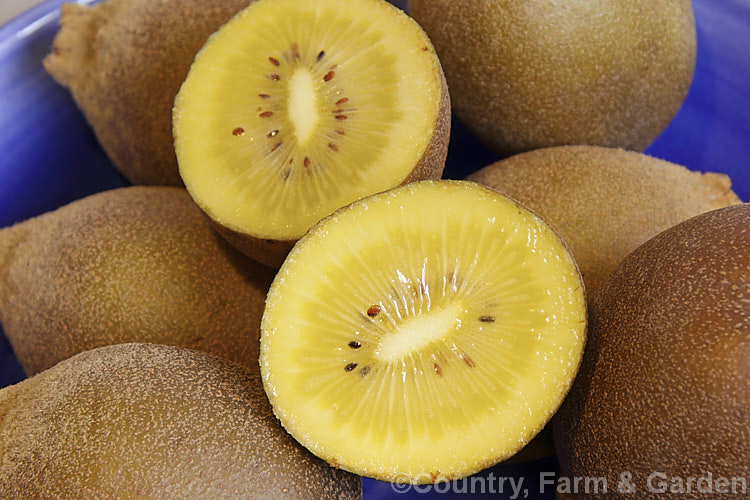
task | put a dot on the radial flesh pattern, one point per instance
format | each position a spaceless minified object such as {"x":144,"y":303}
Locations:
{"x":424,"y":333}
{"x":295,"y":109}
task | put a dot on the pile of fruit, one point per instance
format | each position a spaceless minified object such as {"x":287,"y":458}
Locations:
{"x":290,"y":297}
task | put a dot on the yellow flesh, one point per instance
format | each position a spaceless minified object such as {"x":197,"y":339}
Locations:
{"x":362,"y":113}
{"x":478,"y":337}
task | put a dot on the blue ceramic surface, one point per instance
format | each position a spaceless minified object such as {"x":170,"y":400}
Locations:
{"x":49,"y":157}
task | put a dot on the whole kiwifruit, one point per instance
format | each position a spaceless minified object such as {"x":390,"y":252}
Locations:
{"x":124,"y":61}
{"x":662,"y":398}
{"x":294,"y":109}
{"x":527,"y":74}
{"x":135,"y":264}
{"x":605,"y":202}
{"x":150,"y":421}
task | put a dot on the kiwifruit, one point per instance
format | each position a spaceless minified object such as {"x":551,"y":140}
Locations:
{"x":528,"y":74}
{"x":151,"y":421}
{"x":294,"y":109}
{"x":124,"y":61}
{"x":663,"y":393}
{"x":424,"y":333}
{"x":605,"y":202}
{"x":135,"y":264}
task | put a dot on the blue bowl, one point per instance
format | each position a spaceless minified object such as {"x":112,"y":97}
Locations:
{"x":50,"y":158}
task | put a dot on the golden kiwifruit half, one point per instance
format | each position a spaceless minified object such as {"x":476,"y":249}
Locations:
{"x":605,"y":202}
{"x":663,"y":392}
{"x":424,"y":333}
{"x":124,"y":61}
{"x":136,"y":421}
{"x":528,"y":74}
{"x":294,"y":109}
{"x":135,"y":264}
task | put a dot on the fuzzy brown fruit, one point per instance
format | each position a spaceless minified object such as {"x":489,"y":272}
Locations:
{"x":148,"y":421}
{"x":663,"y":390}
{"x":124,"y":61}
{"x":527,"y":74}
{"x":605,"y":202}
{"x":136,"y":264}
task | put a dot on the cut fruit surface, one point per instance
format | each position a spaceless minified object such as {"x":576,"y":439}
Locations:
{"x":294,"y":109}
{"x":424,"y":333}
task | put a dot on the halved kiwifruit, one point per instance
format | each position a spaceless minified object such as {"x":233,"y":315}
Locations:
{"x":294,"y":109}
{"x":424,"y":333}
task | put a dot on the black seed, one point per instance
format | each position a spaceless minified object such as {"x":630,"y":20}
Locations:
{"x":350,"y":367}
{"x":487,"y":319}
{"x":354,"y":344}
{"x":321,"y":54}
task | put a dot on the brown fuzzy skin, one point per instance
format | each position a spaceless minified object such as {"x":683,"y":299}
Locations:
{"x":534,"y":73}
{"x":150,"y":421}
{"x":663,"y":385}
{"x":124,"y":62}
{"x":269,"y":252}
{"x":605,"y":202}
{"x":430,"y":166}
{"x":136,"y":264}
{"x":432,"y":162}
